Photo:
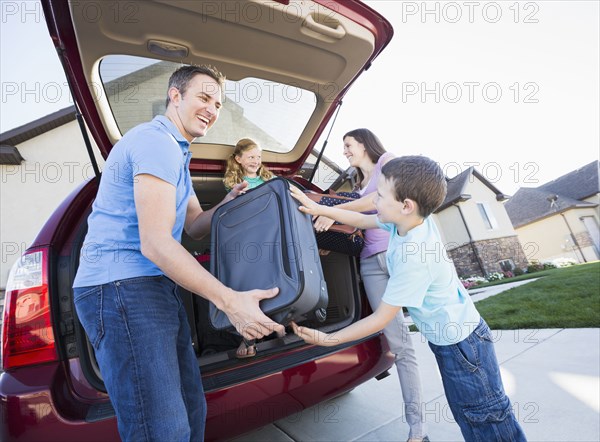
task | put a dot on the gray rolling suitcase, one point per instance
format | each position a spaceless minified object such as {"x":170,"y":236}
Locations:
{"x":261,"y":240}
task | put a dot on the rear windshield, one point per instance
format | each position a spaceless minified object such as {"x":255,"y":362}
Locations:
{"x":271,"y":113}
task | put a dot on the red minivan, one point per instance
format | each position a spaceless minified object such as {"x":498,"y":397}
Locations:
{"x":289,"y":63}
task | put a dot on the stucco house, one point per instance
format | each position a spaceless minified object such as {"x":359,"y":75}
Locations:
{"x":560,"y":219}
{"x":41,"y":162}
{"x":476,"y":229}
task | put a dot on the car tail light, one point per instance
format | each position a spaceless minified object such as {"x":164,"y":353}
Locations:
{"x":27,"y":335}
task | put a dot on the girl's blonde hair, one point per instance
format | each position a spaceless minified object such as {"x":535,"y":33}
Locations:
{"x":234,"y":174}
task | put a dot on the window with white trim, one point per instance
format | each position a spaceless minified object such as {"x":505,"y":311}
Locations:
{"x":507,"y":265}
{"x":487,"y":215}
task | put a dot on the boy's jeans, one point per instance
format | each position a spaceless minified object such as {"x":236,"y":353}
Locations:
{"x":471,"y":378}
{"x":141,"y":336}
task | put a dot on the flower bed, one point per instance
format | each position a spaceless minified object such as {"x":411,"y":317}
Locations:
{"x":535,"y":266}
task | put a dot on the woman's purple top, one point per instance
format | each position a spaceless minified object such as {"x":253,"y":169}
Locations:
{"x":376,"y":240}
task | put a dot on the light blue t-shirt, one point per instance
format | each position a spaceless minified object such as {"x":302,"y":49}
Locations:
{"x":423,"y":279}
{"x":253,"y":182}
{"x":111,"y":249}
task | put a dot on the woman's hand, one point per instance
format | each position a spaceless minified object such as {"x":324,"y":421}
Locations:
{"x":307,"y":205}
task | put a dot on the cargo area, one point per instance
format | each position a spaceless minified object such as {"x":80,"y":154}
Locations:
{"x":213,"y":346}
{"x":216,"y":349}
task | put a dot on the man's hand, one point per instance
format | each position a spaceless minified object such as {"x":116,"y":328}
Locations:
{"x":312,"y":336}
{"x":244,"y":313}
{"x":307,"y":205}
{"x":197,"y":222}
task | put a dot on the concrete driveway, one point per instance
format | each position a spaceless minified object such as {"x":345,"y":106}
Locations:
{"x":551,"y":376}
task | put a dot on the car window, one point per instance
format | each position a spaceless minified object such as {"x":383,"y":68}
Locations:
{"x":328,"y":173}
{"x":271,"y":113}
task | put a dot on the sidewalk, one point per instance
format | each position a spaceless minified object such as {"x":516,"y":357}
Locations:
{"x":477,"y":294}
{"x":551,"y":376}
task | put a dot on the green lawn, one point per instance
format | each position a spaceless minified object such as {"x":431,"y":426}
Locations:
{"x":564,"y":298}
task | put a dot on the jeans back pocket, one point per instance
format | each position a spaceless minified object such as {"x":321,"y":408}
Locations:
{"x":88,"y":304}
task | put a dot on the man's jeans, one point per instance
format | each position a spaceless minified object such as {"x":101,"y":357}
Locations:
{"x":141,"y":336}
{"x":471,"y":378}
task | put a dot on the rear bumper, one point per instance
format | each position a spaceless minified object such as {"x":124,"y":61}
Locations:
{"x":245,"y":407}
{"x":38,"y":403}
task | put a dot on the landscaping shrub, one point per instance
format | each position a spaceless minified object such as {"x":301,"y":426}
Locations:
{"x":535,"y":266}
{"x":564,"y":262}
{"x":472,"y":281}
{"x":496,"y":276}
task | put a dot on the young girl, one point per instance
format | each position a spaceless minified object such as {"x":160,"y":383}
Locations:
{"x":244,"y":164}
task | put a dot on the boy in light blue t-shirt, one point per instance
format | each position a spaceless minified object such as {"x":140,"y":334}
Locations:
{"x":423,"y":279}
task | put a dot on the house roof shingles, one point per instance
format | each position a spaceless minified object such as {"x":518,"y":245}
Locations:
{"x":37,"y":127}
{"x":456,"y":187}
{"x":579,"y":184}
{"x":528,"y":205}
{"x":568,"y":191}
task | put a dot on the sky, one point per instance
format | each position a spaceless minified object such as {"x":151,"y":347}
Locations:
{"x":511,"y":88}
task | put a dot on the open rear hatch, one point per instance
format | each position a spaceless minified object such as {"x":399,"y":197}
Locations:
{"x":288,"y":64}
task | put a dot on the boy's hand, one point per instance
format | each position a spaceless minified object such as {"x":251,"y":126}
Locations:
{"x":307,"y":205}
{"x":322,"y":223}
{"x":312,"y":336}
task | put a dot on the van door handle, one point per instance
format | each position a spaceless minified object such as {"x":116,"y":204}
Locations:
{"x":313,"y":25}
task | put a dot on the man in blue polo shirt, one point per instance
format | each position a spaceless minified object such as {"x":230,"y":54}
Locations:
{"x":132,"y":260}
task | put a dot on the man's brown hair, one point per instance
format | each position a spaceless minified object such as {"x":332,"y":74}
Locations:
{"x":419,"y":179}
{"x":181,"y":78}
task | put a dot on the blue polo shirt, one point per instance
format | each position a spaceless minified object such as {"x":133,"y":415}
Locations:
{"x":423,"y":279}
{"x":111,"y":250}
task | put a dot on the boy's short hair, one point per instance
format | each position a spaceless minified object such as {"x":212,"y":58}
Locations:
{"x":181,"y":78}
{"x":417,"y":178}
